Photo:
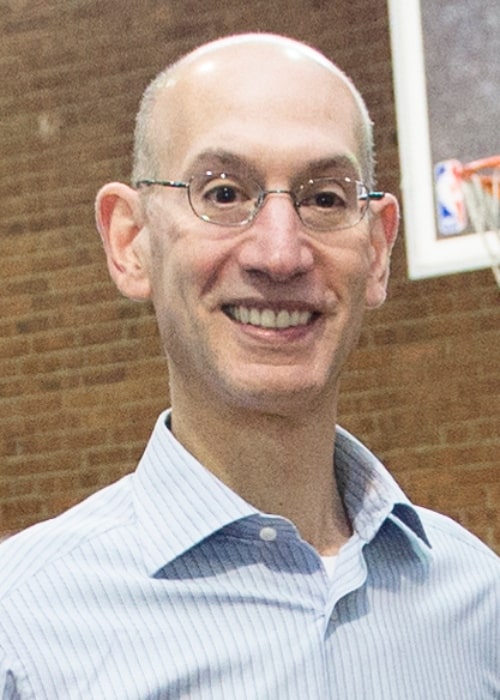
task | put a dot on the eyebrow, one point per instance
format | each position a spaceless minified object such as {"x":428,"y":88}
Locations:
{"x":226,"y":160}
{"x":344,"y":164}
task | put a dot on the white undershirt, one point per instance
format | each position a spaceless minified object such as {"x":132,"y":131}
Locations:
{"x":329,"y":564}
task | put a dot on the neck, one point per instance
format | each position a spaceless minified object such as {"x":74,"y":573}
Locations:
{"x":281,"y":464}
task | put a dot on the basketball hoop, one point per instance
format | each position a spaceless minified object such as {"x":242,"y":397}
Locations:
{"x":481,"y":190}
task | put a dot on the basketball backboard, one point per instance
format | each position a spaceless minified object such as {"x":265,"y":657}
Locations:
{"x":447,"y":80}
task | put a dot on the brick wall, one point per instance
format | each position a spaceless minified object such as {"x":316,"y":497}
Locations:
{"x":81,"y":373}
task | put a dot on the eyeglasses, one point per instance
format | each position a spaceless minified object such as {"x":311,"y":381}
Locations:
{"x":323,"y":204}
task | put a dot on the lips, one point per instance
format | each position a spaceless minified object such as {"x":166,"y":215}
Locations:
{"x":269,"y":318}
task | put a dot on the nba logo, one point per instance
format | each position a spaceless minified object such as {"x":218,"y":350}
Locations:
{"x":450,"y":203}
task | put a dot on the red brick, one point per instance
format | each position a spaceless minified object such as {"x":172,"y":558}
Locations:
{"x":83,"y":376}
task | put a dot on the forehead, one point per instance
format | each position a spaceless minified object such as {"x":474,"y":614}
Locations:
{"x":268,"y":104}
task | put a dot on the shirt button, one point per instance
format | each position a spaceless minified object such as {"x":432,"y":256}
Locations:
{"x":268,"y":534}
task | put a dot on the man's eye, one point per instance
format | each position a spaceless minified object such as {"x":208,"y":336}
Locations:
{"x":324,"y":195}
{"x":326,"y":200}
{"x":223,"y":193}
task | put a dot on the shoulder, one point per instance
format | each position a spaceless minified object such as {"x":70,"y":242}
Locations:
{"x":47,"y":545}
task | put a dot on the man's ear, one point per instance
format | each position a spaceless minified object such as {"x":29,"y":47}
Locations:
{"x":119,"y":220}
{"x":383,"y":231}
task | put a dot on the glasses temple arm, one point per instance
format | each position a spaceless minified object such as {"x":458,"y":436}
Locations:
{"x":372,"y":195}
{"x":163,"y":183}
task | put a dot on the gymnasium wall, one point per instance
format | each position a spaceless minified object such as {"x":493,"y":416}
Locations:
{"x":82,"y":378}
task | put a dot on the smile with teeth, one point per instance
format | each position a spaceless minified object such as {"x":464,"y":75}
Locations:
{"x":269,"y":318}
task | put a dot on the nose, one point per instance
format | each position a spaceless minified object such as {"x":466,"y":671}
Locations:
{"x":276,"y":243}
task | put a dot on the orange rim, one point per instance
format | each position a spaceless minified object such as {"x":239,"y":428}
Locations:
{"x":487,"y":180}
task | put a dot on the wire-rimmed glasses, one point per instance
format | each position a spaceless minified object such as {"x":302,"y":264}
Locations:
{"x":322,"y":204}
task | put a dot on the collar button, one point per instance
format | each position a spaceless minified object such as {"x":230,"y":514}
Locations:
{"x":268,"y":534}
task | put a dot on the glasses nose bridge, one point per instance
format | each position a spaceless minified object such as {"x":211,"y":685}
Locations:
{"x":263,"y":195}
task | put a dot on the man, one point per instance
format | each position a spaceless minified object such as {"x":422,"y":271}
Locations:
{"x":258,"y":551}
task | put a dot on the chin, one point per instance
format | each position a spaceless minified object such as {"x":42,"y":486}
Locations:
{"x":275,"y":393}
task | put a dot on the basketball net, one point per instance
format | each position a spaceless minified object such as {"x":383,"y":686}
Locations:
{"x":481,"y":189}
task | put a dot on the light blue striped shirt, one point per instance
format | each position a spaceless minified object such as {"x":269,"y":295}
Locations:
{"x":168,"y":585}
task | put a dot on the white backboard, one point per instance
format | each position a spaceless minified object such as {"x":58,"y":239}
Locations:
{"x":446,"y":65}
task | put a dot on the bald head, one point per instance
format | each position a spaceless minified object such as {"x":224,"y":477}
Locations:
{"x":257,"y":66}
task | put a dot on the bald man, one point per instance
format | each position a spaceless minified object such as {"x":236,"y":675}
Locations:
{"x":259,"y":551}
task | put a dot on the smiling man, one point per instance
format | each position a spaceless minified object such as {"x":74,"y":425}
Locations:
{"x":259,"y":551}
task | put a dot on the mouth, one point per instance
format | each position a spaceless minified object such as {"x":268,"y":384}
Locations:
{"x":275,"y":319}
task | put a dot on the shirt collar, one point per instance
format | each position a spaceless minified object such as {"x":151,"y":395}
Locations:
{"x":371,"y":495}
{"x":179,"y":502}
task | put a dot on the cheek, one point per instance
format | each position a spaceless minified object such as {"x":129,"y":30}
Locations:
{"x":186,"y":272}
{"x":348,"y":266}
{"x":187,"y":253}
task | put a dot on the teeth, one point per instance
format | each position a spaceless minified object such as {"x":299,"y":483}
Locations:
{"x":267,"y":318}
{"x":255,"y":316}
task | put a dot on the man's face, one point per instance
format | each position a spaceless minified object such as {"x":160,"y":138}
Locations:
{"x":261,"y":315}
